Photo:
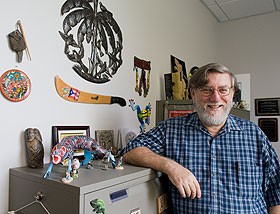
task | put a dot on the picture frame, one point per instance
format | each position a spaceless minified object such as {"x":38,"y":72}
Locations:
{"x":59,"y":132}
{"x":105,"y":138}
{"x":267,"y":106}
{"x":177,"y":109}
{"x":270,"y":127}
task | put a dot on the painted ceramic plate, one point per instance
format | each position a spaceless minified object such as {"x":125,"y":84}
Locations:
{"x":15,"y":85}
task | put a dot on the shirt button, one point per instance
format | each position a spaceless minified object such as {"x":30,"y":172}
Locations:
{"x":214,"y":174}
{"x":214,"y":156}
{"x":215,"y":194}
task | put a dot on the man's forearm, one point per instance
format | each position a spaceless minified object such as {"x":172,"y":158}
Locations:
{"x":143,"y":156}
{"x":181,"y":177}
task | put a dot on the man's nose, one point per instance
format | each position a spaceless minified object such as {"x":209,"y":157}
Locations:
{"x":215,"y":95}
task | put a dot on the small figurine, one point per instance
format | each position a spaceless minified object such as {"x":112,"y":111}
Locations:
{"x":34,"y":148}
{"x":108,"y":156}
{"x":75,"y":167}
{"x":142,"y":115}
{"x":67,"y":179}
{"x":243,"y":105}
{"x":119,"y":165}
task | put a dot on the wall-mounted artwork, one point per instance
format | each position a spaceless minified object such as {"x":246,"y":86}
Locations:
{"x":179,"y":79}
{"x":74,"y":95}
{"x":142,"y":83}
{"x":91,"y":27}
{"x":105,"y":138}
{"x":17,"y":42}
{"x":15,"y":85}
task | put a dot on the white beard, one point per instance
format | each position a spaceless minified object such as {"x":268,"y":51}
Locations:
{"x":212,"y":119}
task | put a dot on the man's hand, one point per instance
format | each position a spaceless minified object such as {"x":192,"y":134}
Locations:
{"x":274,"y":210}
{"x":184,"y":180}
{"x":181,"y":177}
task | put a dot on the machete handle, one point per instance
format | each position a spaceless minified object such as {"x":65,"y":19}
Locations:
{"x":118,"y":100}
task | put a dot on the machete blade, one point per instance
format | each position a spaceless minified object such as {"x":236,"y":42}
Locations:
{"x":74,"y":95}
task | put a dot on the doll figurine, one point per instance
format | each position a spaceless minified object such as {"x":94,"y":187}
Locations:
{"x":75,"y":167}
{"x":119,"y":164}
{"x":34,"y":148}
{"x":67,"y":179}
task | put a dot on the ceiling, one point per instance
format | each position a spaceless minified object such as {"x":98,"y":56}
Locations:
{"x":226,"y":10}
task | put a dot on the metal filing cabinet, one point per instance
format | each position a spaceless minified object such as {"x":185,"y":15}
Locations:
{"x":132,"y":190}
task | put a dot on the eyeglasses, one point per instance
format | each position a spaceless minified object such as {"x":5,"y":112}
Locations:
{"x":207,"y":91}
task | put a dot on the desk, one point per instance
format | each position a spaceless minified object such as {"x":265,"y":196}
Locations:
{"x":123,"y":191}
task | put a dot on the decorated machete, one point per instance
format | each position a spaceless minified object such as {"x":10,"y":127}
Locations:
{"x":75,"y":95}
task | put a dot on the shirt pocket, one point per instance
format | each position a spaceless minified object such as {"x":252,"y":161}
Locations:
{"x":247,"y":179}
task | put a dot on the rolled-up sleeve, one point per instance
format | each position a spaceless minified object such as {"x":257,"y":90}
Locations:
{"x":153,"y":140}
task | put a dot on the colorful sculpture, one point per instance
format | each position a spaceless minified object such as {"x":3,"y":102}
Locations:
{"x":65,"y":149}
{"x":142,"y":115}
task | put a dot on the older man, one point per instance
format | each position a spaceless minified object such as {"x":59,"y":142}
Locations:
{"x":216,"y":162}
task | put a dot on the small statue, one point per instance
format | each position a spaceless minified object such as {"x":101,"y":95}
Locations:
{"x":34,"y":148}
{"x":119,"y":164}
{"x":107,"y":158}
{"x":243,"y":105}
{"x":142,"y":115}
{"x":67,"y":179}
{"x":75,"y":167}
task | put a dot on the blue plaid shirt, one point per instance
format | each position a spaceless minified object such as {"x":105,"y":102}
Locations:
{"x":238,"y":170}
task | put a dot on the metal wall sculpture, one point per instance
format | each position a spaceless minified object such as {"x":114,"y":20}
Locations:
{"x":102,"y":34}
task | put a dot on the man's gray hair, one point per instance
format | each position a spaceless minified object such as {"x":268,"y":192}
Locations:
{"x":200,"y":77}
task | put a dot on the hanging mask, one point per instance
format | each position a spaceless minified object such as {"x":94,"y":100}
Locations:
{"x":17,"y":43}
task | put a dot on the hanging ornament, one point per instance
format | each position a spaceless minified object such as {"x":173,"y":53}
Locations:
{"x":144,"y":81}
{"x":15,"y":85}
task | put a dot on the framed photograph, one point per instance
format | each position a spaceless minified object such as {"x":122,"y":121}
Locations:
{"x":59,"y":132}
{"x":269,"y":127}
{"x":267,"y":107}
{"x":105,"y":138}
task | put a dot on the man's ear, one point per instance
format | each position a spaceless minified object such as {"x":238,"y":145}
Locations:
{"x":192,"y":92}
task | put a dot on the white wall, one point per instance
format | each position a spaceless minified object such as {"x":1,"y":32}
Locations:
{"x":252,"y":46}
{"x":152,"y":30}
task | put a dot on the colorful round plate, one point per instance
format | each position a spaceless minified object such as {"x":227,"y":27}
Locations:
{"x":15,"y":85}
